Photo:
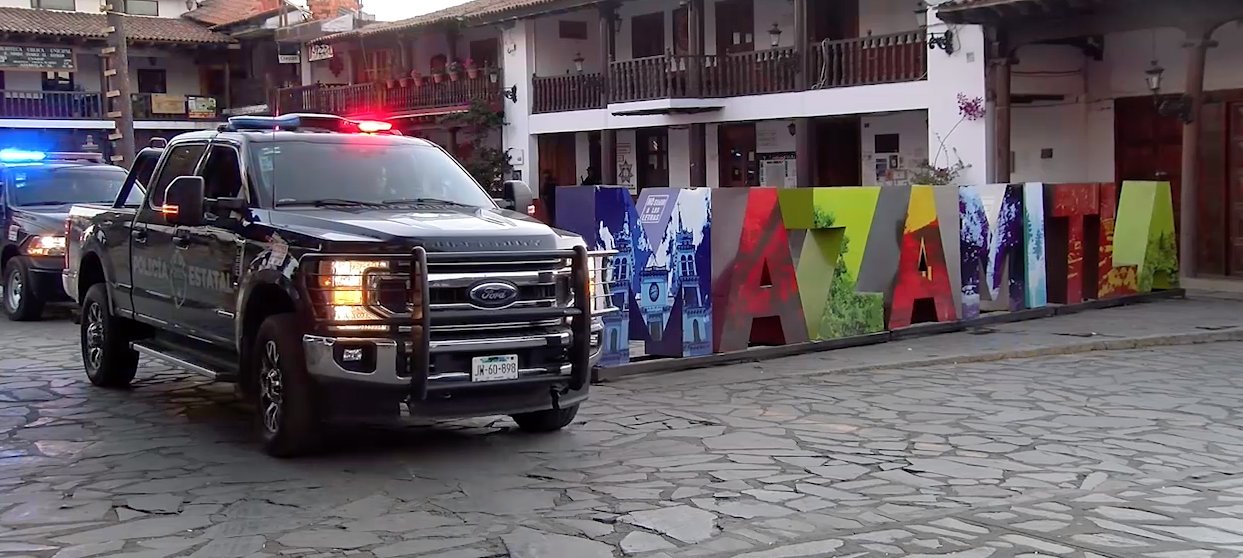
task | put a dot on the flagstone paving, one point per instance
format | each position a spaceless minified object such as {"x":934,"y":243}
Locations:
{"x":1135,"y":453}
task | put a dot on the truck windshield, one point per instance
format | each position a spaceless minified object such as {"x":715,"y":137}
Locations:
{"x":365,"y":170}
{"x":65,"y":185}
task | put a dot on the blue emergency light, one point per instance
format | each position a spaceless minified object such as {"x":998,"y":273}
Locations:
{"x":11,"y":155}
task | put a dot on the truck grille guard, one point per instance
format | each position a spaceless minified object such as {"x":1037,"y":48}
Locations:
{"x":560,"y":293}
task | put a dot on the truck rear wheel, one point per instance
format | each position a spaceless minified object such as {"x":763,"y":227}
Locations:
{"x":289,"y":420}
{"x":21,"y":304}
{"x":551,"y":420}
{"x":106,"y":354}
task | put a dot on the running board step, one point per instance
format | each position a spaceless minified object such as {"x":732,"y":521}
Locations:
{"x":219,"y":371}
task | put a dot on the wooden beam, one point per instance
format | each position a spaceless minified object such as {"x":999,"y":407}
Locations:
{"x":1127,"y":15}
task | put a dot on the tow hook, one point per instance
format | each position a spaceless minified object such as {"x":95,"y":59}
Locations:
{"x":556,"y":393}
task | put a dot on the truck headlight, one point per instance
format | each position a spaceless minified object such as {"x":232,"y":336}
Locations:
{"x":45,"y":245}
{"x":344,"y":284}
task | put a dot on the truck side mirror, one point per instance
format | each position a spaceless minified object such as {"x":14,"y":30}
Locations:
{"x":183,"y":201}
{"x":519,"y":195}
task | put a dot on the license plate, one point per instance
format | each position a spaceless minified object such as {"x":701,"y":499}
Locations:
{"x":494,"y":368}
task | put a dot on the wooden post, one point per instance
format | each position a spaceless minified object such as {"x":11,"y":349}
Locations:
{"x":699,"y":156}
{"x":453,"y":149}
{"x":695,"y":22}
{"x":117,"y":90}
{"x":608,"y":53}
{"x":802,"y":77}
{"x":804,"y":152}
{"x":1199,"y":40}
{"x":1001,"y":164}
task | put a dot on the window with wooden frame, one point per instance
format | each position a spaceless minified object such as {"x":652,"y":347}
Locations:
{"x":373,"y":66}
{"x":140,"y":7}
{"x":574,"y":30}
{"x":66,"y":5}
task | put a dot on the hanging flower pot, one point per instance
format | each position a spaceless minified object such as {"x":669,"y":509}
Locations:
{"x":438,"y":77}
{"x":472,"y":71}
{"x":405,"y":82}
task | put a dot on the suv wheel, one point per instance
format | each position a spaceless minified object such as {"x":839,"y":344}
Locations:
{"x":287,"y":414}
{"x":551,"y":420}
{"x":20,"y":302}
{"x":106,"y":354}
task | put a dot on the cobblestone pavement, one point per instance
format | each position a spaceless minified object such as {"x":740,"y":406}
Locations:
{"x":1136,"y":453}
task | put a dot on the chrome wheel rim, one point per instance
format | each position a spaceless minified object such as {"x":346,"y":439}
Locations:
{"x":13,"y":291}
{"x":94,"y":336}
{"x":270,"y":387}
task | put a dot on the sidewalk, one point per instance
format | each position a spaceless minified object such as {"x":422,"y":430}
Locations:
{"x":1199,"y":318}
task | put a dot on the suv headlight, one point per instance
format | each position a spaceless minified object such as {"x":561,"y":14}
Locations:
{"x":344,"y":284}
{"x":45,"y":245}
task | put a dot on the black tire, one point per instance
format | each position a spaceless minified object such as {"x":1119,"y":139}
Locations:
{"x":106,"y":354}
{"x":288,"y":413}
{"x":551,"y":420}
{"x":21,"y":304}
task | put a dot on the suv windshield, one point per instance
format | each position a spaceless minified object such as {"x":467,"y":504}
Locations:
{"x":65,"y":185}
{"x":364,"y":170}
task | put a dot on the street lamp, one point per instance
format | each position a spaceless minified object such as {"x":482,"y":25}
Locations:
{"x":774,"y":33}
{"x":1175,"y":106}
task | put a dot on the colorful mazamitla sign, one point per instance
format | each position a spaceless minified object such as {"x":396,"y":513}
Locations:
{"x":701,"y":271}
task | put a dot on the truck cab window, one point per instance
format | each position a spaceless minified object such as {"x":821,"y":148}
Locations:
{"x":222,"y":173}
{"x":182,"y":161}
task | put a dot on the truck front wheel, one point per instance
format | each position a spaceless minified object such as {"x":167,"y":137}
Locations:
{"x":288,"y":415}
{"x":551,"y":420}
{"x":106,"y":354}
{"x":21,"y":304}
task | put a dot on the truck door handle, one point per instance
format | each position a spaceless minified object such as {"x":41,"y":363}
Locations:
{"x":181,"y":238}
{"x":139,"y":235}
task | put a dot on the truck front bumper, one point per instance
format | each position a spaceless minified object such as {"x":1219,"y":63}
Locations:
{"x":353,"y":371}
{"x":45,"y":279}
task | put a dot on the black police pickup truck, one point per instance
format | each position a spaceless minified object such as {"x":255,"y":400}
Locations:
{"x":36,"y":191}
{"x":336,"y":271}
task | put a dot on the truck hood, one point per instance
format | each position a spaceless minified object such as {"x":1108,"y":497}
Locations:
{"x":42,"y":220}
{"x":440,"y":229}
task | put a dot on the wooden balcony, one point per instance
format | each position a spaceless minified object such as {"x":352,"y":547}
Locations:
{"x":568,"y":93}
{"x":78,"y":105}
{"x":371,"y":99}
{"x":867,"y":60}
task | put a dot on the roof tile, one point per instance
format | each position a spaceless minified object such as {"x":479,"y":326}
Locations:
{"x":224,"y":12}
{"x":94,"y":26}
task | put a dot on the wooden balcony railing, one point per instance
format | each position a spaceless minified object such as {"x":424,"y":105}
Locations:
{"x":568,"y":93}
{"x":751,"y":73}
{"x":52,"y":105}
{"x":377,"y":98}
{"x":869,"y":60}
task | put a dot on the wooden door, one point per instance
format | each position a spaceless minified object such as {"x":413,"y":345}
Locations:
{"x":682,"y":30}
{"x":838,"y":149}
{"x":1234,"y":191}
{"x":833,"y":20}
{"x":485,"y":53}
{"x":647,"y":35}
{"x":653,"y":153}
{"x":738,"y":160}
{"x":735,"y":26}
{"x":1147,"y":145}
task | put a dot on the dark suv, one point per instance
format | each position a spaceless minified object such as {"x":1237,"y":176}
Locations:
{"x":37,"y":190}
{"x":336,"y":272}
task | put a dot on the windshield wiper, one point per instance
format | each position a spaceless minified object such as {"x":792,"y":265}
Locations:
{"x":330,"y":202}
{"x":425,"y":201}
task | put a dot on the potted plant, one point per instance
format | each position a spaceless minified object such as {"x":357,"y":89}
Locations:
{"x":416,"y":79}
{"x":453,"y":69}
{"x":390,"y":83}
{"x":438,"y":76}
{"x":472,"y":71}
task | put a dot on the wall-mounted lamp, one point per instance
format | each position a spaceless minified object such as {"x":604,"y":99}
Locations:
{"x":774,"y":34}
{"x":578,"y":62}
{"x":494,"y":75}
{"x":510,"y":93}
{"x":943,"y":41}
{"x":617,"y":23}
{"x":793,"y":129}
{"x":1173,"y":106}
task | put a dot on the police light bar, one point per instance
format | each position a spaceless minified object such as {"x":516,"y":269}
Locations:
{"x":11,"y":155}
{"x":295,"y":122}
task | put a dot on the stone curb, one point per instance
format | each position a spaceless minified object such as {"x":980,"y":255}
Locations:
{"x":759,"y":354}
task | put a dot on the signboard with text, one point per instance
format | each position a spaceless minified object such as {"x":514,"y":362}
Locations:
{"x":36,"y":58}
{"x":202,"y":107}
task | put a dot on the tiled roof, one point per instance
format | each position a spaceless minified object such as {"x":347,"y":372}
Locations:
{"x":94,"y":26}
{"x":224,"y":12}
{"x":475,"y":9}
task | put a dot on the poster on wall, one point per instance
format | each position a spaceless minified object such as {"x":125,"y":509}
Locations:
{"x":168,"y":104}
{"x":319,"y":52}
{"x":202,"y":107}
